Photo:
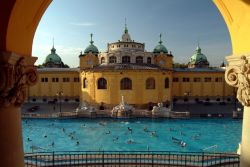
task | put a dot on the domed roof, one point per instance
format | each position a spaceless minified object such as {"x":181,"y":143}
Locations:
{"x":198,"y":57}
{"x":160,"y":48}
{"x":91,"y":48}
{"x":53,"y":57}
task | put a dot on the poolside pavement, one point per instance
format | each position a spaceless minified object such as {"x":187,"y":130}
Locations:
{"x":196,"y":110}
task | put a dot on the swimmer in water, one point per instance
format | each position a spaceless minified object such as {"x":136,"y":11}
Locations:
{"x":130,"y":130}
{"x":145,"y":129}
{"x":52,"y":144}
{"x":45,"y":136}
{"x":130,"y":141}
{"x":154,"y":134}
{"x":77,"y":143}
{"x":183,"y":134}
{"x":29,"y":139}
{"x":107,"y":133}
{"x":115,"y":139}
{"x":183,"y":144}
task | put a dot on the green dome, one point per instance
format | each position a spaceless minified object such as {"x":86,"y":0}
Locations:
{"x":160,"y":48}
{"x":53,"y":57}
{"x":91,"y":48}
{"x":198,"y":57}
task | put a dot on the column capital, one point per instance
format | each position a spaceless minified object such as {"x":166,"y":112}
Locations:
{"x":17,"y":72}
{"x":238,"y":75}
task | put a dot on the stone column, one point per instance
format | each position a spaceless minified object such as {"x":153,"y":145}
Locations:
{"x":238,"y":75}
{"x":16,"y":73}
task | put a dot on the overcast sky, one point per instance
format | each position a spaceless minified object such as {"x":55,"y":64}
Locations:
{"x":183,"y":23}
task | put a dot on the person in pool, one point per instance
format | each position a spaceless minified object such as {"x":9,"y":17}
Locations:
{"x":154,"y":134}
{"x":130,"y":141}
{"x":130,"y":130}
{"x":115,"y":139}
{"x":52,"y":144}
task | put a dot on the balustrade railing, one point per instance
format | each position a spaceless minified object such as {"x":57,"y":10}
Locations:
{"x":131,"y":158}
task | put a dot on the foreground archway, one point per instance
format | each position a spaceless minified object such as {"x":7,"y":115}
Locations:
{"x":236,"y":14}
{"x":19,"y":19}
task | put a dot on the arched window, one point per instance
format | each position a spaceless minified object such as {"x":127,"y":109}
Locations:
{"x":150,"y":83}
{"x":139,"y":59}
{"x":125,"y":59}
{"x":166,"y":83}
{"x":101,"y":83}
{"x":149,"y":60}
{"x":112,"y":59}
{"x":126,"y":84}
{"x":102,"y":60}
{"x":84,"y":83}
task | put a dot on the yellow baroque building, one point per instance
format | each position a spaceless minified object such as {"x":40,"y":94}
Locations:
{"x":126,"y":69}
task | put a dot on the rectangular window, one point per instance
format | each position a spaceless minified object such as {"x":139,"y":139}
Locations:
{"x":218,"y":79}
{"x":175,"y":79}
{"x":66,"y":80}
{"x":55,"y":79}
{"x":197,"y":79}
{"x":44,"y":79}
{"x":185,"y":79}
{"x":207,"y":79}
{"x":76,"y":79}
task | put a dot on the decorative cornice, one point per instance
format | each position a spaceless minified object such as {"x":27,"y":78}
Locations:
{"x":16,"y":73}
{"x":238,"y":75}
{"x":236,"y":59}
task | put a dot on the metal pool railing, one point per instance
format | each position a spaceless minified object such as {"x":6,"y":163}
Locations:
{"x":131,"y":159}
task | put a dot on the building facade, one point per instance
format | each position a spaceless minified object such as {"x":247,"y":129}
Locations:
{"x":142,"y":78}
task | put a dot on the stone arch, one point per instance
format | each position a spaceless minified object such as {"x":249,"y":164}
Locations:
{"x":139,"y":59}
{"x":19,"y":20}
{"x":166,"y":83}
{"x":101,"y":83}
{"x":150,"y":83}
{"x":126,"y":84}
{"x":126,"y":59}
{"x":84,"y":83}
{"x":19,"y":33}
{"x":102,"y":60}
{"x":112,"y":59}
{"x":149,"y":60}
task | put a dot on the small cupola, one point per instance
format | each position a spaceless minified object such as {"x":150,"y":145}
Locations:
{"x":160,"y":48}
{"x":91,"y":48}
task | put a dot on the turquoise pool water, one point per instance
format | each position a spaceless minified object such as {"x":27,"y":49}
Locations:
{"x":219,"y":135}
